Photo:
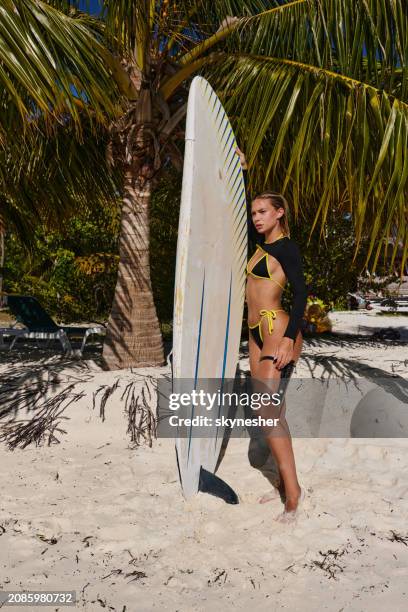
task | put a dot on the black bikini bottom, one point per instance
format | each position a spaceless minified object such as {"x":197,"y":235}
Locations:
{"x":287,"y":370}
{"x":256,"y":336}
{"x":256,"y":332}
{"x":256,"y":329}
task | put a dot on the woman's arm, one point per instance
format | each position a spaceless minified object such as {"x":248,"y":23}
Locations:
{"x":288,"y":254}
{"x":242,"y":158}
{"x":291,"y":263}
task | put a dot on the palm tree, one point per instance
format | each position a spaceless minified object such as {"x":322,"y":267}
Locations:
{"x":2,"y":255}
{"x":317,"y":91}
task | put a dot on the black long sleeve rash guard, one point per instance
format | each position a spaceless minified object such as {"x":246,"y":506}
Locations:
{"x":287,"y":252}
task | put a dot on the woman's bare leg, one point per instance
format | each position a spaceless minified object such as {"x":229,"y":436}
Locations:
{"x":279,"y":440}
{"x":269,"y":467}
{"x":254,"y":355}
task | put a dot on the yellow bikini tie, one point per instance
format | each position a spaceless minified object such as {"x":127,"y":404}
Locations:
{"x":271,"y":315}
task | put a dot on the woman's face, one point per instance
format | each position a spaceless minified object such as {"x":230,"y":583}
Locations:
{"x":264,"y":215}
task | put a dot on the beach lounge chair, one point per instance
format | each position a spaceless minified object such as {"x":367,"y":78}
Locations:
{"x":39,"y":325}
{"x":14,"y":332}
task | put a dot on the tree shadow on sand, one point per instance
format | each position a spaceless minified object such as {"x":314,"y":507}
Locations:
{"x":322,"y":363}
{"x":38,"y":385}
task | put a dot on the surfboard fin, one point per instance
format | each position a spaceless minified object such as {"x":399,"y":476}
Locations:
{"x":212,"y":484}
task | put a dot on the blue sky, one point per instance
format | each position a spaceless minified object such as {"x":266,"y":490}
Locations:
{"x":94,"y":6}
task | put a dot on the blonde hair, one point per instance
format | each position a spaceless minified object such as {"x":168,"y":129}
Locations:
{"x":277,"y":201}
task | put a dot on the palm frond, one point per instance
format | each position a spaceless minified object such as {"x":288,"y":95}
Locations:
{"x":51,"y":66}
{"x":320,"y":137}
{"x":129,"y":27}
{"x":364,"y":39}
{"x":51,"y":179}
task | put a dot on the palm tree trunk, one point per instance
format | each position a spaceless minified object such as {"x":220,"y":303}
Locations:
{"x":133,"y":336}
{"x":2,"y":255}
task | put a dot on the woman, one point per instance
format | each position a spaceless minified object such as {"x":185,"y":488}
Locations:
{"x":275,"y":338}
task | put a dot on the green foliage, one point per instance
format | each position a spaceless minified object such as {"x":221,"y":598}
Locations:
{"x":330,"y":271}
{"x":72,"y":272}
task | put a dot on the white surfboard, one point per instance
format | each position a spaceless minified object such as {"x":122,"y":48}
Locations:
{"x":210,"y":267}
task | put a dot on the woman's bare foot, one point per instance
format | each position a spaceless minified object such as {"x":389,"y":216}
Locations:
{"x":290,"y":515}
{"x":292,"y":502}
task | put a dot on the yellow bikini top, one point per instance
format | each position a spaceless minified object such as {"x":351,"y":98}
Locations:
{"x":261,"y":268}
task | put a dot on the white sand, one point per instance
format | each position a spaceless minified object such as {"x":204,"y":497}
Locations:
{"x":125,"y":539}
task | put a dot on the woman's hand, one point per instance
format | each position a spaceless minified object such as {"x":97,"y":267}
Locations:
{"x":242,"y":158}
{"x":284,"y":352}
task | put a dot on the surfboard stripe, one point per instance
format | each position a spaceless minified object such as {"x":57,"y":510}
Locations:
{"x":234,"y":178}
{"x":229,"y":153}
{"x":237,"y":239}
{"x":243,"y":254}
{"x":242,"y":198}
{"x":242,"y":242}
{"x":236,"y":168}
{"x":234,"y":175}
{"x":236,"y":163}
{"x":235,"y":188}
{"x":230,"y":157}
{"x":208,"y":95}
{"x":233,"y":182}
{"x":227,"y":140}
{"x":236,"y":172}
{"x":239,"y":208}
{"x":225,"y":351}
{"x":222,"y":129}
{"x":240,"y":214}
{"x":239,"y":220}
{"x":238,"y":233}
{"x":216,"y":114}
{"x":219,"y":111}
{"x":225,"y":119}
{"x":227,"y":330}
{"x":199,"y":331}
{"x":224,"y":144}
{"x":197,"y":359}
{"x":238,"y":187}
